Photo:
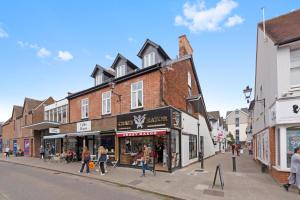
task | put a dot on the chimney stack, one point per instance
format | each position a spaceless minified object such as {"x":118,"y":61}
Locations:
{"x":184,"y":46}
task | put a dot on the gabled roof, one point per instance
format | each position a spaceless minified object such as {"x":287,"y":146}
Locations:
{"x":158,"y":47}
{"x":17,"y":110}
{"x":31,"y":104}
{"x":120,"y":56}
{"x":107,"y":72}
{"x":214,"y":115}
{"x":283,"y":29}
{"x":244,"y":110}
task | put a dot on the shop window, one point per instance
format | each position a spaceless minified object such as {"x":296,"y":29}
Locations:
{"x":59,"y":117}
{"x":278,"y":147}
{"x":237,"y":122}
{"x":192,"y":146}
{"x":84,"y":108}
{"x":175,"y":159}
{"x":64,"y":114}
{"x":137,"y":95}
{"x":293,"y":141}
{"x":106,"y":102}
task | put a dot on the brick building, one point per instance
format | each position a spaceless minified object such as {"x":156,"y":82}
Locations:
{"x":15,"y":135}
{"x":125,"y":95}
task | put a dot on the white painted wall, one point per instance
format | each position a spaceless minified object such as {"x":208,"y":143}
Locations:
{"x":209,"y":149}
{"x":190,"y":126}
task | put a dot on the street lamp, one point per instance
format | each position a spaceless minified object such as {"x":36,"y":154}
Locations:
{"x":247,"y":91}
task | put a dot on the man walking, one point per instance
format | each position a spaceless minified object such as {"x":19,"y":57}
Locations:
{"x":294,"y":178}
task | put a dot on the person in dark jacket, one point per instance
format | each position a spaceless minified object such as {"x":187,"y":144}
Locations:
{"x":102,"y":157}
{"x":86,"y":157}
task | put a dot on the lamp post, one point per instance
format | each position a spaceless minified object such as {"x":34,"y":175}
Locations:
{"x":247,"y":91}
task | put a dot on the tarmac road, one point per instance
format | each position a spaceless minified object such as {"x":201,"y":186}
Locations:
{"x":19,"y":182}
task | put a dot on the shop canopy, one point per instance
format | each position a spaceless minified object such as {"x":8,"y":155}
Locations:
{"x":54,"y":136}
{"x":80,"y":134}
{"x":42,"y":125}
{"x":141,"y":133}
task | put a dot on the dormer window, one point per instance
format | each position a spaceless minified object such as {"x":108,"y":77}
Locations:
{"x":149,"y":59}
{"x":121,"y":70}
{"x":98,"y":78}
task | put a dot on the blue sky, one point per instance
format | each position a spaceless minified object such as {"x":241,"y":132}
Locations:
{"x":48,"y":48}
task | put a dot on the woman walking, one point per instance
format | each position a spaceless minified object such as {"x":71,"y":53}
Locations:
{"x":145,"y":160}
{"x":294,"y":178}
{"x":42,"y":152}
{"x":102,"y":157}
{"x":86,"y":157}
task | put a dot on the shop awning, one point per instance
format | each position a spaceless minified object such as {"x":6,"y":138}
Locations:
{"x":42,"y":125}
{"x":141,"y":133}
{"x":54,"y":136}
{"x":80,"y":134}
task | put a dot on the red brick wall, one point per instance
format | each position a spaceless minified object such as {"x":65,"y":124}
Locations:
{"x":272,"y":144}
{"x":176,"y":84}
{"x":281,"y":177}
{"x":151,"y":85}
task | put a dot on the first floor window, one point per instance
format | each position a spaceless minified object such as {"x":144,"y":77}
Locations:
{"x":295,"y":67}
{"x":121,"y":71}
{"x":84,"y":108}
{"x":293,"y":141}
{"x":137,"y":95}
{"x":106,"y":102}
{"x":149,"y":59}
{"x":192,"y":146}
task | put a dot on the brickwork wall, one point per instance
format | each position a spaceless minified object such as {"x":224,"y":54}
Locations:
{"x":151,"y":97}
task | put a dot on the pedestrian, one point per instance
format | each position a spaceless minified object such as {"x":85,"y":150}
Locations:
{"x":294,"y":178}
{"x":145,"y":159}
{"x":42,"y":152}
{"x":86,"y":157}
{"x":7,"y":152}
{"x":232,"y":148}
{"x":237,"y":148}
{"x":102,"y":158}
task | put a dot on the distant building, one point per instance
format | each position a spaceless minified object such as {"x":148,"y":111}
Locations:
{"x":1,"y":146}
{"x":218,"y":132}
{"x":237,"y":123}
{"x":276,"y":115}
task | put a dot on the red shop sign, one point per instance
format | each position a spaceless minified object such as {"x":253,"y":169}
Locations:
{"x":141,"y":133}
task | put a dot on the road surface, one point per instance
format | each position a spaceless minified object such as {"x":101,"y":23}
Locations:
{"x":26,"y":183}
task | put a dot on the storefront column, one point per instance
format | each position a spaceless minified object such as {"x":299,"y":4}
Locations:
{"x":283,"y":158}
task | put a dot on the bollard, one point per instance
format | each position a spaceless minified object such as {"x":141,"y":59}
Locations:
{"x":233,"y":164}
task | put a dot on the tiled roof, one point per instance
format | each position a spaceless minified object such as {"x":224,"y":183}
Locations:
{"x":18,"y":110}
{"x":214,"y":115}
{"x":283,"y":29}
{"x":32,"y":103}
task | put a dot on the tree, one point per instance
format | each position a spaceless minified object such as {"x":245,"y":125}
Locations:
{"x":230,"y":139}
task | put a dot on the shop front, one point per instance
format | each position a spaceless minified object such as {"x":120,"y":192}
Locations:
{"x":159,"y":129}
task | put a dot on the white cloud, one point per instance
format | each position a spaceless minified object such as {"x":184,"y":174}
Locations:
{"x":234,"y":20}
{"x":3,"y":33}
{"x":197,"y":17}
{"x":26,"y":44}
{"x":65,"y":55}
{"x":43,"y":52}
{"x":109,"y":57}
{"x":131,"y":39}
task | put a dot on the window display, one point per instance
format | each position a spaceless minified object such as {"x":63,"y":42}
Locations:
{"x":192,"y":146}
{"x":175,"y":148}
{"x":293,"y":141}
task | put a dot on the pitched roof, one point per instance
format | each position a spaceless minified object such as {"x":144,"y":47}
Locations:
{"x":18,"y":110}
{"x":98,"y":67}
{"x":31,"y":103}
{"x":283,"y":29}
{"x":120,"y":56}
{"x":214,"y":115}
{"x":245,"y":110}
{"x":158,"y":47}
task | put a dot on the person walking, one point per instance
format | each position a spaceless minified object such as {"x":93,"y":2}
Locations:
{"x":86,"y":157}
{"x":42,"y":152}
{"x":102,"y":157}
{"x":233,"y":148}
{"x":7,"y":152}
{"x":145,"y":160}
{"x":294,"y":178}
{"x":237,"y":148}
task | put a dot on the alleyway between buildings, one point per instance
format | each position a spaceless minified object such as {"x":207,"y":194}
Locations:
{"x":248,"y":183}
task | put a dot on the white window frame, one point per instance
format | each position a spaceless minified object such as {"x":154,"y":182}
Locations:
{"x":98,"y":78}
{"x":135,"y":95}
{"x":84,"y":108}
{"x":189,"y":79}
{"x":149,"y":59}
{"x":294,"y":66}
{"x":121,"y":70}
{"x":107,"y":101}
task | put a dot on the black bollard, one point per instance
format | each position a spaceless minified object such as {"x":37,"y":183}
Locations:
{"x":233,"y":164}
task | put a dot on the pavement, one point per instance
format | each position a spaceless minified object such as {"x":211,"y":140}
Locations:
{"x":186,"y":183}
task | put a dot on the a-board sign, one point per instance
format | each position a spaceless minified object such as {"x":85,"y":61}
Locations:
{"x":219,"y":171}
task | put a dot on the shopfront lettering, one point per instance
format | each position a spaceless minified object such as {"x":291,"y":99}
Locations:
{"x":84,"y":126}
{"x":296,"y":109}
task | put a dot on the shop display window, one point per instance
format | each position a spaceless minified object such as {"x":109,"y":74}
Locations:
{"x":192,"y":146}
{"x":293,"y":141}
{"x":175,"y":159}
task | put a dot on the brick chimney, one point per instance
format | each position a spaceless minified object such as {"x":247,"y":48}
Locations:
{"x":184,"y":46}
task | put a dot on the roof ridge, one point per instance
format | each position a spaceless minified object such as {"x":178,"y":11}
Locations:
{"x":285,"y":14}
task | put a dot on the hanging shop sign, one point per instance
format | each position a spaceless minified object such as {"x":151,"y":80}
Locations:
{"x":84,"y":126}
{"x":152,"y":119}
